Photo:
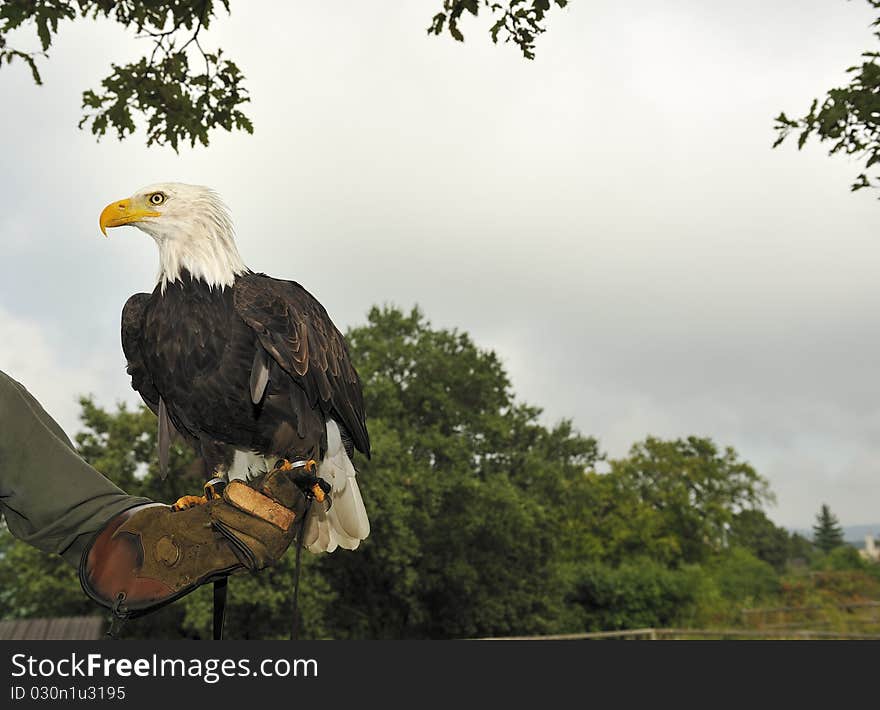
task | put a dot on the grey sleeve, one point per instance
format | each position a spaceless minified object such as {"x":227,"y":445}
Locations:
{"x":51,"y":498}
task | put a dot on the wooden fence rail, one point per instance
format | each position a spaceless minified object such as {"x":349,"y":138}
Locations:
{"x":682,"y":634}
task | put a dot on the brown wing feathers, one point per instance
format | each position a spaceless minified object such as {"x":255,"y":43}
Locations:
{"x":299,"y":335}
{"x":295,"y":337}
{"x":132,"y":334}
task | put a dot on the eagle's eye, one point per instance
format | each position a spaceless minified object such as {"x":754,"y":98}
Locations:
{"x":157,"y":198}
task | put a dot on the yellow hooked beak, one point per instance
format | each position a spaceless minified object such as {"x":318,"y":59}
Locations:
{"x":123,"y":212}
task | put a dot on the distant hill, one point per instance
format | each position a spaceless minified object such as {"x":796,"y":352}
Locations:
{"x":854,"y":534}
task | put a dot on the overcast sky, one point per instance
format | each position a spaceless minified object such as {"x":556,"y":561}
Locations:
{"x":609,"y":218}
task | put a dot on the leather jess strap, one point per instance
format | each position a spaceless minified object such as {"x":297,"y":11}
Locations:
{"x":250,"y":501}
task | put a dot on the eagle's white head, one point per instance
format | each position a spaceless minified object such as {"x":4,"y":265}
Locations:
{"x":191,"y":226}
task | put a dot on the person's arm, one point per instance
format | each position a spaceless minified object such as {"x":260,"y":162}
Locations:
{"x":51,"y":498}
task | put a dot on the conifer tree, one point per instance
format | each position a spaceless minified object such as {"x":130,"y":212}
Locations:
{"x":827,"y":533}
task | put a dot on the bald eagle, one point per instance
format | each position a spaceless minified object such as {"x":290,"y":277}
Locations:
{"x":247,"y":368}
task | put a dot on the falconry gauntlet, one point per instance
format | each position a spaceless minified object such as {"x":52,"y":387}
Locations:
{"x":151,"y":555}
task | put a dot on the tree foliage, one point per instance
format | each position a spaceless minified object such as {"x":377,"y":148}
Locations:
{"x":827,"y":533}
{"x":848,"y":117}
{"x":743,"y":577}
{"x":34,"y":584}
{"x":801,"y":549}
{"x":464,"y":542}
{"x":517,"y":21}
{"x":754,"y":531}
{"x":639,"y":593}
{"x":182,"y":91}
{"x":694,"y":489}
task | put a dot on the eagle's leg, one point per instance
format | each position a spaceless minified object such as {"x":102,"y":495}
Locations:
{"x":306,"y":477}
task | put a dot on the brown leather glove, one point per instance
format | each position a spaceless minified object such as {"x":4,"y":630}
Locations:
{"x":259,"y":525}
{"x":151,"y":555}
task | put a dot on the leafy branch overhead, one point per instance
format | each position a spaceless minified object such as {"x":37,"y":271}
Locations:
{"x":182,"y":90}
{"x":519,"y":21}
{"x":848,"y":117}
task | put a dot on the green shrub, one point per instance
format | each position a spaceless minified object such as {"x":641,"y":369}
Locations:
{"x":741,"y":576}
{"x":640,"y":593}
{"x":845,"y":557}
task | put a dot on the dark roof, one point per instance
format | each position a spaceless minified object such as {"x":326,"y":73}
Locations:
{"x":69,"y":628}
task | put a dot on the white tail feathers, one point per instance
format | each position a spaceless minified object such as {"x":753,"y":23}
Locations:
{"x":346,"y":523}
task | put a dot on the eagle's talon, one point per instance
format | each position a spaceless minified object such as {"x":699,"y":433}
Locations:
{"x":318,"y":492}
{"x":214,"y":488}
{"x":305,"y":475}
{"x":185,"y":502}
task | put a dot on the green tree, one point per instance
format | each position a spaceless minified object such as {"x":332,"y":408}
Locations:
{"x":183,"y":91}
{"x":827,"y":533}
{"x":34,"y":584}
{"x":847,"y":116}
{"x":612,"y":523}
{"x":466,"y":492}
{"x":695,"y":488}
{"x":754,"y":531}
{"x":802,"y":549}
